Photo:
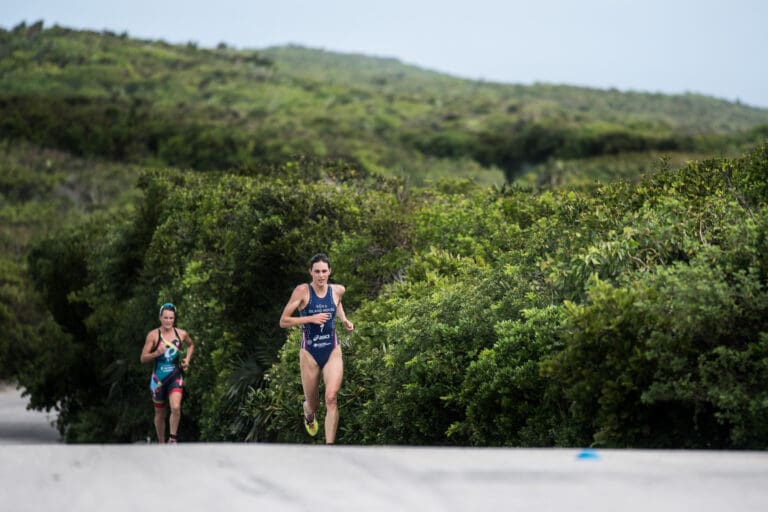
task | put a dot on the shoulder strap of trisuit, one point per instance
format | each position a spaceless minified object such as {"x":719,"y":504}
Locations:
{"x":166,"y":342}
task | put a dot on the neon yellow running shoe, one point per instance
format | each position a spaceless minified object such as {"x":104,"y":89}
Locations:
{"x":310,"y":423}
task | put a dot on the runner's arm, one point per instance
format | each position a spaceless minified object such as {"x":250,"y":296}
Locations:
{"x":149,"y":353}
{"x":340,"y":314}
{"x":187,"y":339}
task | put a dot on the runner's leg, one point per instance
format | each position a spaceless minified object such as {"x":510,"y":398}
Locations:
{"x":333,"y":373}
{"x":310,"y":381}
{"x":174,"y":400}
{"x":160,"y":422}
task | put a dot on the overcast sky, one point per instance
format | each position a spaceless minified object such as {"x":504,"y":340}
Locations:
{"x":713,"y":47}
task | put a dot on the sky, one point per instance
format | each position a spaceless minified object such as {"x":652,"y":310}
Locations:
{"x":717,"y":48}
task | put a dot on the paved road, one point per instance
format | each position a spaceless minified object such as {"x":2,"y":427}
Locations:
{"x":273,"y":478}
{"x":20,"y":426}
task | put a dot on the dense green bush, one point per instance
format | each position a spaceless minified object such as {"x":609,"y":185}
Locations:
{"x":226,"y":250}
{"x":632,"y":318}
{"x":506,"y":399}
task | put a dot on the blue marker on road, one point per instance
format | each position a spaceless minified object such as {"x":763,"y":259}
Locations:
{"x":588,"y":454}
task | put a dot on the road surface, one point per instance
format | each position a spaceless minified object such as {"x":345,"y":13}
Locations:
{"x":41,"y":474}
{"x":20,"y":426}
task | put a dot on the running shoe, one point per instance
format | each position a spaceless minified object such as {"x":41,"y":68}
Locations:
{"x":310,"y":423}
{"x":172,"y":441}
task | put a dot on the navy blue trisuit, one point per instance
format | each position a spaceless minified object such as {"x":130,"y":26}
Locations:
{"x":319,"y":340}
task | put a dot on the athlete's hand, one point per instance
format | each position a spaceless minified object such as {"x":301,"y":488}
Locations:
{"x":320,"y":318}
{"x":349,"y":325}
{"x":185,"y":365}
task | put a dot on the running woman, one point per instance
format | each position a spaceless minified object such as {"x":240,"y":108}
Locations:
{"x":162,"y":346}
{"x":319,"y":305}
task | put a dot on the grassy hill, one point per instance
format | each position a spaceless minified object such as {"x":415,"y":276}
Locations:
{"x":107,"y":95}
{"x":691,"y":113}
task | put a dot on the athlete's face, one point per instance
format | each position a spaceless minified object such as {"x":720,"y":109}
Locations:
{"x":167,"y":318}
{"x":320,"y":272}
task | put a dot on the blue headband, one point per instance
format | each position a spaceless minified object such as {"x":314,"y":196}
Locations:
{"x":169,"y":306}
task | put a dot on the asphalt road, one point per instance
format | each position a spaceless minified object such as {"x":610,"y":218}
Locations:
{"x":20,"y":426}
{"x":45,"y":475}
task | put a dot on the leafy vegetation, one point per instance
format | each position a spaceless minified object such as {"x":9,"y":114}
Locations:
{"x":631,"y":317}
{"x":41,"y":192}
{"x":526,"y":266}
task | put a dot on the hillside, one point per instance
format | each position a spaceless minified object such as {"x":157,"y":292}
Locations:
{"x":691,"y":113}
{"x":107,"y":95}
